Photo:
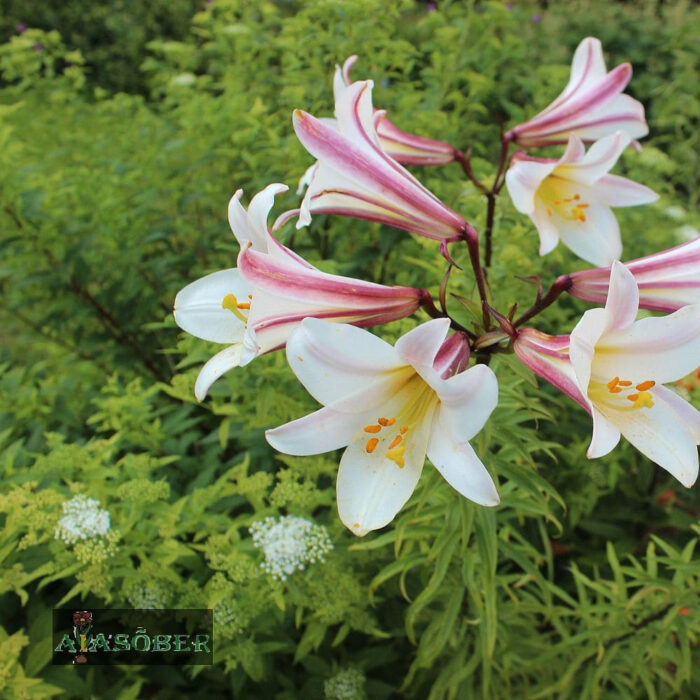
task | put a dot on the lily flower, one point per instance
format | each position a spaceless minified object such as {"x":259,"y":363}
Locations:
{"x":569,"y":199}
{"x":667,"y":280}
{"x":402,"y":146}
{"x":616,"y":367}
{"x":591,"y":106}
{"x":389,"y":406}
{"x":254,"y":308}
{"x":355,"y":177}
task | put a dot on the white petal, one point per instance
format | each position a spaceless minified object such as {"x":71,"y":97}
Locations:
{"x":597,"y":239}
{"x":662,"y":349}
{"x":322,"y":431}
{"x":601,"y":156}
{"x":605,"y":435}
{"x":616,"y":191}
{"x":575,"y":151}
{"x":462,"y":468}
{"x":419,"y":346}
{"x":371,"y":489}
{"x":622,"y":303}
{"x":467,"y":401}
{"x":345,"y":366}
{"x":549,"y":234}
{"x":198,"y":309}
{"x":523,"y":179}
{"x":584,"y":337}
{"x":240,"y":225}
{"x":217,"y":366}
{"x":658,"y":433}
{"x":258,"y":211}
{"x":688,"y":414}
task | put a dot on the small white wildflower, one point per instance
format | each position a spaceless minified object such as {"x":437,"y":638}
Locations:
{"x":228,"y":621}
{"x":347,"y":684}
{"x":82,"y":518}
{"x":289,"y":544}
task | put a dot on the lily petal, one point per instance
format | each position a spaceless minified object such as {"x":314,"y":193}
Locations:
{"x":662,"y":349}
{"x":198,"y":307}
{"x":467,"y":401}
{"x":361,"y":364}
{"x":616,"y":191}
{"x":602,"y":155}
{"x":658,"y":433}
{"x":216,"y":367}
{"x":623,"y":298}
{"x":605,"y":436}
{"x":420,"y":346}
{"x":371,"y":489}
{"x":461,"y":467}
{"x":322,"y":431}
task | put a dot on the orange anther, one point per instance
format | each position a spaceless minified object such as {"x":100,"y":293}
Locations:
{"x":372,"y":428}
{"x":577,"y":197}
{"x":396,"y":441}
{"x":386,"y":421}
{"x":633,"y":397}
{"x":557,"y":201}
{"x":613,"y":383}
{"x":404,"y":430}
{"x":371,"y":444}
{"x":245,"y":305}
{"x":615,"y":390}
{"x":625,"y":383}
{"x":583,"y":206}
{"x":645,"y":386}
{"x":582,"y":217}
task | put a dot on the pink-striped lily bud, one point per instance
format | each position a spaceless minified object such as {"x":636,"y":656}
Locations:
{"x":355,"y":177}
{"x":548,"y":357}
{"x":667,"y":280}
{"x":402,"y":146}
{"x":453,"y":355}
{"x":591,"y":106}
{"x":254,"y":308}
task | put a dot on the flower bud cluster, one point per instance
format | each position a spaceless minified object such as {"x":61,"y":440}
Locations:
{"x":289,"y":544}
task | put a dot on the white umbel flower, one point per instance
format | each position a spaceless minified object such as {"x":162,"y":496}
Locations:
{"x":82,"y":519}
{"x":289,"y":543}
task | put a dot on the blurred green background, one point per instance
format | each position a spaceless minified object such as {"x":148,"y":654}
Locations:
{"x":124,"y":129}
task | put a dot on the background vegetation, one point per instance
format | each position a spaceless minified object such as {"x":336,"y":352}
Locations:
{"x":124,"y":129}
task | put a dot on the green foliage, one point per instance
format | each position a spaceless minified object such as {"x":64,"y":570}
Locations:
{"x":582,"y":583}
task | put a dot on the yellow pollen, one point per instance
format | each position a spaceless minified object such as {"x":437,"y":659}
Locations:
{"x":644,"y":386}
{"x":396,"y":456}
{"x":639,"y":399}
{"x":371,"y":444}
{"x":372,"y":428}
{"x":396,"y":441}
{"x":230,"y":303}
{"x":549,"y":211}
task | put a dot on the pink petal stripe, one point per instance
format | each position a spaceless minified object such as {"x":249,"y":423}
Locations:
{"x":313,"y":286}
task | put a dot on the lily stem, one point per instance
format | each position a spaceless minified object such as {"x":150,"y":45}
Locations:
{"x":560,"y":285}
